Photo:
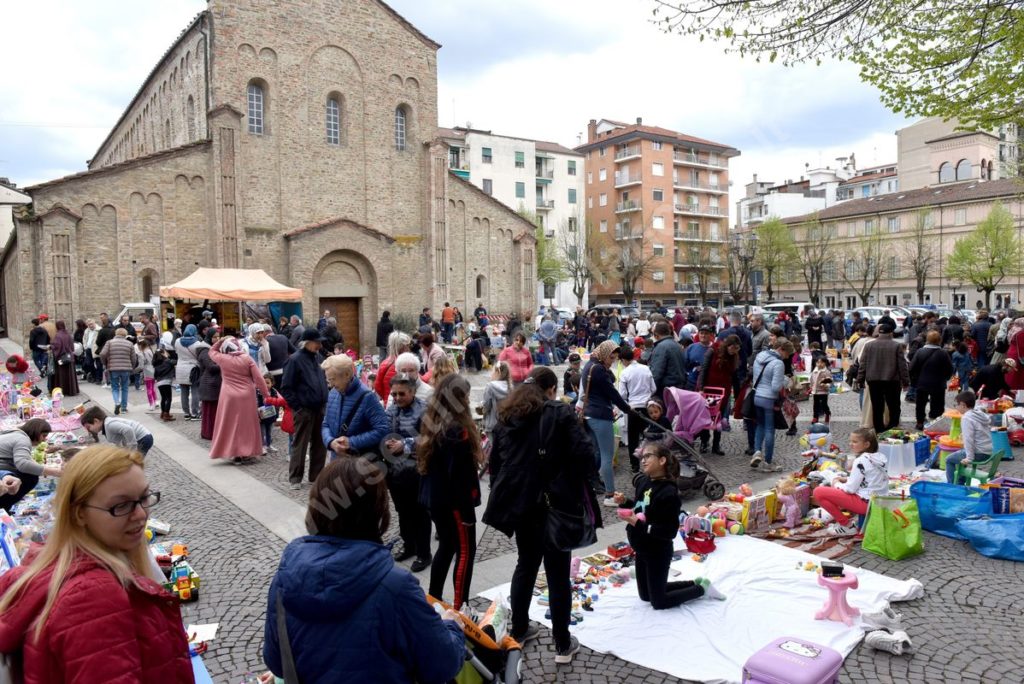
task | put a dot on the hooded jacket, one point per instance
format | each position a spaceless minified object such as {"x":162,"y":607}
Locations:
{"x":353,"y":616}
{"x":495,"y":393}
{"x":97,"y":631}
{"x":868,"y":477}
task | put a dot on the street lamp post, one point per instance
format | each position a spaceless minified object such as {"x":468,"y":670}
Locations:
{"x":745,"y":247}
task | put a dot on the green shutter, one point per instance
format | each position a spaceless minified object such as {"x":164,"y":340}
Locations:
{"x":520,"y":157}
{"x":520,"y":188}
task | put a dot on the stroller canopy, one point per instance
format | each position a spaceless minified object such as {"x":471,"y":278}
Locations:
{"x":687,"y":411}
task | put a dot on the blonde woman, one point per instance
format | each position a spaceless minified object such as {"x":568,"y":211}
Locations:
{"x":89,"y":606}
{"x":443,"y":367}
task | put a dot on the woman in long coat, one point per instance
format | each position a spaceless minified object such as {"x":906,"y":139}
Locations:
{"x":236,"y":434}
{"x":209,"y":387}
{"x":64,"y":375}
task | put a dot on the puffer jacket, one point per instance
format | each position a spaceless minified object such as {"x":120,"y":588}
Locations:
{"x":354,"y":616}
{"x":519,"y":475}
{"x":119,"y":355}
{"x":360,"y":409}
{"x":774,"y":375}
{"x":97,"y":631}
{"x":188,"y":358}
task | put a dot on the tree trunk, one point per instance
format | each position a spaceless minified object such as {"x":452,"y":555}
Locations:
{"x":988,"y":297}
{"x":864,"y":298}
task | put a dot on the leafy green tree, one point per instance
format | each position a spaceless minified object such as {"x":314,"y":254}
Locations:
{"x":550,"y":267}
{"x":958,"y":60}
{"x":776,"y":252}
{"x":988,"y":254}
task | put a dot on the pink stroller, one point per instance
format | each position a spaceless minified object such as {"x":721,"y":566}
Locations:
{"x":689,"y":414}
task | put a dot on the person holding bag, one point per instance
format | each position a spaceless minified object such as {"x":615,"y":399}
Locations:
{"x":769,"y":382}
{"x":542,"y":462}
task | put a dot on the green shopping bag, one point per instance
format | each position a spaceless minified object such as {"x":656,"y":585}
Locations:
{"x":893,"y":528}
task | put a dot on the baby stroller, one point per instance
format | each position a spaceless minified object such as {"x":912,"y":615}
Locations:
{"x":688,"y":412}
{"x":714,"y":397}
{"x":487,"y":660}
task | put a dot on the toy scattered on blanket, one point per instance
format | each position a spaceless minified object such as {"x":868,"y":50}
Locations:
{"x":786,"y":493}
{"x":698,"y":535}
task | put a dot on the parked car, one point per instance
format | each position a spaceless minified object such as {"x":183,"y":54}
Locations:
{"x":873,"y":313}
{"x":608,"y":308}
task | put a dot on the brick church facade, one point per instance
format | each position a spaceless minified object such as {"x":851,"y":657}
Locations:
{"x":302,"y":141}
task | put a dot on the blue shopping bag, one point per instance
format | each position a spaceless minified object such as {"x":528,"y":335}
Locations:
{"x":942,"y":505}
{"x":1000,"y":536}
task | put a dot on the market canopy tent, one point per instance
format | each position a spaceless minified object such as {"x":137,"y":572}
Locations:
{"x":231,"y":284}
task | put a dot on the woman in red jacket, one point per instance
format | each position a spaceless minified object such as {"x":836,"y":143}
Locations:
{"x":89,"y":606}
{"x":398,"y":343}
{"x":518,"y":358}
{"x":717,"y":371}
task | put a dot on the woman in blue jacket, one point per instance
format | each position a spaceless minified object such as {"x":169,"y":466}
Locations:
{"x":351,"y":614}
{"x":769,"y":378}
{"x":354,"y":421}
{"x":597,"y":398}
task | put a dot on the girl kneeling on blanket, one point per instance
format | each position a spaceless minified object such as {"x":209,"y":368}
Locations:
{"x":868,"y":477}
{"x":653,"y":526}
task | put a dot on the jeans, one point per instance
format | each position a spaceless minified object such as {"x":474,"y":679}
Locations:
{"x":764,"y":435}
{"x":151,"y":391}
{"x":40,"y":358}
{"x":267,"y":429}
{"x":189,"y":401}
{"x":954,"y":459}
{"x":145,"y":444}
{"x":447,"y":330}
{"x":455,"y":541}
{"x":532,"y":551}
{"x":119,"y":387}
{"x":604,"y":437}
{"x":652,"y":567}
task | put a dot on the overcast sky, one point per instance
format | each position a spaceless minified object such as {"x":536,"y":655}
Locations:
{"x":531,"y":68}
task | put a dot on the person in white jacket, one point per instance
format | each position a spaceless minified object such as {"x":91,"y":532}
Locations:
{"x":868,"y":477}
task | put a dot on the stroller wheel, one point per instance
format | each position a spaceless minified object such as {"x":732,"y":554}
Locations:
{"x":713,"y":489}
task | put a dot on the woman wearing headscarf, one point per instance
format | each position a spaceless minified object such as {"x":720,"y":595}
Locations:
{"x":598,"y":397}
{"x":257,"y":346}
{"x":1015,"y":353}
{"x":209,"y":386}
{"x":62,"y":347}
{"x":1000,"y":341}
{"x":237,"y":434}
{"x":187,"y":360}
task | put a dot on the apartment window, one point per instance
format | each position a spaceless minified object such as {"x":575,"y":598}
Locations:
{"x":485,"y":155}
{"x":893,"y":267}
{"x":333,"y":121}
{"x":658,"y":276}
{"x":713,"y":179}
{"x":601,"y":152}
{"x":831,"y":230}
{"x":488,"y":186}
{"x":963,"y":170}
{"x":602,"y":175}
{"x":946,"y":173}
{"x":572,"y":167}
{"x":894,"y":224}
{"x":713,"y":227}
{"x":713,"y":201}
{"x":590,"y":202}
{"x":865,"y":191}
{"x":657,"y":169}
{"x":602,"y":200}
{"x":604,"y":226}
{"x":655,"y":145}
{"x":658,"y":222}
{"x":571,"y":224}
{"x":851,"y":229}
{"x":520,"y":190}
{"x":572,"y":195}
{"x":401,"y":128}
{"x":520,"y":160}
{"x":929,"y":219}
{"x":659,"y":250}
{"x":658,"y":194}
{"x":960,"y":217}
{"x":255,"y":96}
{"x":590,"y":177}
{"x":869,"y":226}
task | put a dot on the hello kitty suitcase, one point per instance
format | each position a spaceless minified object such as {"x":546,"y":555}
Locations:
{"x":793,"y":661}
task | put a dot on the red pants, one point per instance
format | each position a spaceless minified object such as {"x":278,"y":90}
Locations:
{"x":835,"y":500}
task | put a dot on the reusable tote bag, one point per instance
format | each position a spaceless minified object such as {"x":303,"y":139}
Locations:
{"x":893,"y":529}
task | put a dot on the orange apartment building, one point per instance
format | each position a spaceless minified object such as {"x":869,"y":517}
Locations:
{"x":665,"y":196}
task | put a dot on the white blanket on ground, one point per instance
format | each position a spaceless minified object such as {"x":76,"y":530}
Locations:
{"x":708,"y":640}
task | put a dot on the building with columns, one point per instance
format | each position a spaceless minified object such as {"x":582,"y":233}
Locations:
{"x":301,"y":141}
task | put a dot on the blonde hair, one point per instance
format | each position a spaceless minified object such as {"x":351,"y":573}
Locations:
{"x":443,"y":367}
{"x":69,"y":539}
{"x":120,"y":332}
{"x":337,"y":362}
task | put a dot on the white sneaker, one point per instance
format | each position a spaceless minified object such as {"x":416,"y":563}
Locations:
{"x":840,"y":530}
{"x":887,"y":618}
{"x":609,"y":502}
{"x":756,"y":460}
{"x":896,"y":643}
{"x":767,"y":467}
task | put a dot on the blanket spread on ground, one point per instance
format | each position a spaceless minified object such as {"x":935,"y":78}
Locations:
{"x":768,"y":597}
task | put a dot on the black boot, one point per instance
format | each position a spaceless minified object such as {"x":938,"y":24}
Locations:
{"x":716,"y":445}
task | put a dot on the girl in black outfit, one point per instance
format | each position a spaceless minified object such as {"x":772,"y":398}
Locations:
{"x":653,"y":526}
{"x":449,"y":454}
{"x":540,"y":456}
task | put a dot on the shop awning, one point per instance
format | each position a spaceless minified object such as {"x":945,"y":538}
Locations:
{"x":232,"y":285}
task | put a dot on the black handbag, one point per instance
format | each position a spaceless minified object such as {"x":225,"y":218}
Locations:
{"x":748,"y":411}
{"x":563,"y":530}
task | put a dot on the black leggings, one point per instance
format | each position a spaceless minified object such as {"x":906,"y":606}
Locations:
{"x":652,"y":580}
{"x":532,"y":551}
{"x":165,"y":398}
{"x":458,"y":541}
{"x":28,"y":483}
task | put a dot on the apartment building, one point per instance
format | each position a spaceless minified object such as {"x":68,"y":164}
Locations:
{"x":663,"y":197}
{"x":543,"y":178}
{"x":869,"y":182}
{"x":923,"y":148}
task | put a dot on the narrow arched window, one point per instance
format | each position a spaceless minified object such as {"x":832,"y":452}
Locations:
{"x":946,"y":173}
{"x":256,"y":99}
{"x":963,"y":170}
{"x":333,"y":121}
{"x":400,"y":128}
{"x":190,"y":116}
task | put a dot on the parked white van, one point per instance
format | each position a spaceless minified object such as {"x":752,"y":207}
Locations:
{"x":791,"y":307}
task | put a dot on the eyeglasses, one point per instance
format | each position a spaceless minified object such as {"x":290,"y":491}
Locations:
{"x":644,"y":457}
{"x":124,"y":508}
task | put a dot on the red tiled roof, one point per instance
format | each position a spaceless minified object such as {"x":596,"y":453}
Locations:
{"x":640,"y":130}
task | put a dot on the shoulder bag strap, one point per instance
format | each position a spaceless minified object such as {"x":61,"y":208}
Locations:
{"x":586,"y":395}
{"x":355,"y":411}
{"x":285,"y":644}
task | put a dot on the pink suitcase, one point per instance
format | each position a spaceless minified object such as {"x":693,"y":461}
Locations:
{"x":793,"y":661}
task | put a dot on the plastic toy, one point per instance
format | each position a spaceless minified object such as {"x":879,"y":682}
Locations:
{"x":736,"y":528}
{"x":184,"y":582}
{"x":718,"y":528}
{"x":626,"y":514}
{"x":786,"y":492}
{"x":746,"y":490}
{"x":736,"y":498}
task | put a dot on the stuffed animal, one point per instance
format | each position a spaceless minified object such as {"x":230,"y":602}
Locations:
{"x":786,"y":490}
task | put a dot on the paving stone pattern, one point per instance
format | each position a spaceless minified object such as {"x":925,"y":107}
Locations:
{"x":962,"y":628}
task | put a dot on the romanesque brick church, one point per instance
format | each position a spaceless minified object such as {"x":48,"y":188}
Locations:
{"x":300,"y":138}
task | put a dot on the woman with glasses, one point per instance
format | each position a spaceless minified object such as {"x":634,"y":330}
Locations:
{"x":89,"y":605}
{"x":16,"y":462}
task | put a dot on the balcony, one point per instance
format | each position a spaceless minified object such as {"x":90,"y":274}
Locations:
{"x":698,"y":210}
{"x":631,"y":205}
{"x":545,"y":175}
{"x":687,"y":184}
{"x":545,"y":204}
{"x":684,"y":287}
{"x":627,"y":153}
{"x":624,"y":179}
{"x":699,"y":160}
{"x":687,"y":235}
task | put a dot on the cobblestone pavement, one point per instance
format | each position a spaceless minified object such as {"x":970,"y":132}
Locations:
{"x":962,"y":627}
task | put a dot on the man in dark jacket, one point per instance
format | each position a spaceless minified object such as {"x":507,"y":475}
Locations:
{"x":384,"y":328}
{"x":883,"y":366}
{"x":979,"y":331}
{"x":295,"y":336}
{"x":38,"y":338}
{"x":331,"y":336}
{"x":667,"y":364}
{"x":304,"y":387}
{"x":150,"y":332}
{"x":280,"y":349}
